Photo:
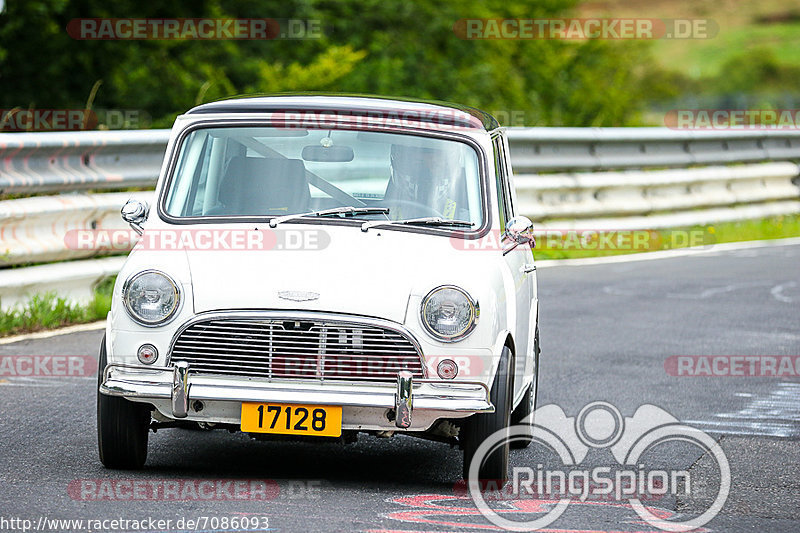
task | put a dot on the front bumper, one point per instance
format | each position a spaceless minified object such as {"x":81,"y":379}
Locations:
{"x":173,"y":389}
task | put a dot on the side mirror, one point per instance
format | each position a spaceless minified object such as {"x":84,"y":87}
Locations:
{"x":519,"y":230}
{"x":135,"y":213}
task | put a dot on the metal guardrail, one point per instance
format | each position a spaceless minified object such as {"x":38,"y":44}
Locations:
{"x":51,"y":162}
{"x":651,"y":199}
{"x":545,"y":149}
{"x":78,"y":161}
{"x":594,"y":178}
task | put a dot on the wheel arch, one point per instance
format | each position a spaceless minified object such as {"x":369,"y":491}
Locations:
{"x":505,"y":339}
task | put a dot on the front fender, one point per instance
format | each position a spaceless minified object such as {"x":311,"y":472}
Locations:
{"x":503,"y":337}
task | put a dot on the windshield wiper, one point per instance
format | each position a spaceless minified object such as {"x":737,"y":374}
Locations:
{"x":425,"y":221}
{"x":346,"y":211}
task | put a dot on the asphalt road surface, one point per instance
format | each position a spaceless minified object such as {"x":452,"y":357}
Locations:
{"x":607,"y":333}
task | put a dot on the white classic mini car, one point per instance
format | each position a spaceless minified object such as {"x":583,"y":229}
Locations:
{"x":323,"y":266}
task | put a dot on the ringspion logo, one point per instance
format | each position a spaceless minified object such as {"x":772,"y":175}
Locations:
{"x":630,"y":440}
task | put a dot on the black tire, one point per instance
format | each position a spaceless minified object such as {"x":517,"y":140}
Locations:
{"x":122,"y":426}
{"x":479,"y":427}
{"x":528,"y":403}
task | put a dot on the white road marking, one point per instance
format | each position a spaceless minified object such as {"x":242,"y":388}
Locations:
{"x":702,"y":295}
{"x":777,"y":292}
{"x":628,"y":289}
{"x":54,"y":381}
{"x":774,"y":414}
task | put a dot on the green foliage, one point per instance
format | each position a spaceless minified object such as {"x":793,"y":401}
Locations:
{"x":327,"y":68}
{"x":48,"y":310}
{"x":753,"y":71}
{"x":391,"y":48}
{"x":754,"y":79}
{"x":367,"y":46}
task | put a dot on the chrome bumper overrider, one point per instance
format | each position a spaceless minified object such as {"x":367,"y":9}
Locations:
{"x":180,"y":386}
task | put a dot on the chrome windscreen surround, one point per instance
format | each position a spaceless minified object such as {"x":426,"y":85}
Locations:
{"x":297,"y":345}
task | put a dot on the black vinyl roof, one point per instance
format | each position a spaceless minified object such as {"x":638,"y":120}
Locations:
{"x":434,"y":112}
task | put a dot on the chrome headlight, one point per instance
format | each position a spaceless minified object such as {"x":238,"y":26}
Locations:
{"x":151,"y":297}
{"x":448,"y":313}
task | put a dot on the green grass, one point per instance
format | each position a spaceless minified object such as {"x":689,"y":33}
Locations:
{"x":745,"y":230}
{"x":742,"y":25}
{"x":705,"y":57}
{"x":48,"y":311}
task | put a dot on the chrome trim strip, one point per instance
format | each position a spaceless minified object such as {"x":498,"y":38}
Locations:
{"x":180,"y":390}
{"x":403,"y":400}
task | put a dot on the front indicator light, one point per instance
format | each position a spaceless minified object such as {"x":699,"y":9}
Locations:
{"x":447,"y":369}
{"x":147,"y":354}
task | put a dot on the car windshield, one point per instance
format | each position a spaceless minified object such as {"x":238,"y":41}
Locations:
{"x":273,"y":172}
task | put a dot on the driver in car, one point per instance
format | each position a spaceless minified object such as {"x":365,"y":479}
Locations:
{"x":425,"y":182}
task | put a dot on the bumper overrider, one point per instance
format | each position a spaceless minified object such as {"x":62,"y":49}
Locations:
{"x":177,"y":387}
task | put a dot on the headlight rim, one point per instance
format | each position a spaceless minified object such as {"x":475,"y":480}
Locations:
{"x":126,"y":301}
{"x":476,"y":312}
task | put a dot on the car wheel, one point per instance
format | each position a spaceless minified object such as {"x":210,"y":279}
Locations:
{"x":528,"y":403}
{"x":480,"y":426}
{"x":122,"y":426}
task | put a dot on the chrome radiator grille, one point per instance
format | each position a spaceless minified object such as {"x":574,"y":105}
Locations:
{"x":296,"y":349}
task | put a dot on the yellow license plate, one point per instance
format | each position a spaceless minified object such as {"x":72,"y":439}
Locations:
{"x":292,"y":419}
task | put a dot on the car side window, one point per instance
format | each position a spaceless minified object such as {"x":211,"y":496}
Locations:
{"x":504,"y":204}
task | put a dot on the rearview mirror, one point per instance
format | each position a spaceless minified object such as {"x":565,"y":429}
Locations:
{"x":329,"y":154}
{"x":135,"y":213}
{"x":519,"y":230}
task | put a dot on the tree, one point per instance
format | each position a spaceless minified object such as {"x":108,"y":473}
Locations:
{"x":367,"y":46}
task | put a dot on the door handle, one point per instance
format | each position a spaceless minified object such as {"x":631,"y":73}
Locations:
{"x":527,"y":268}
